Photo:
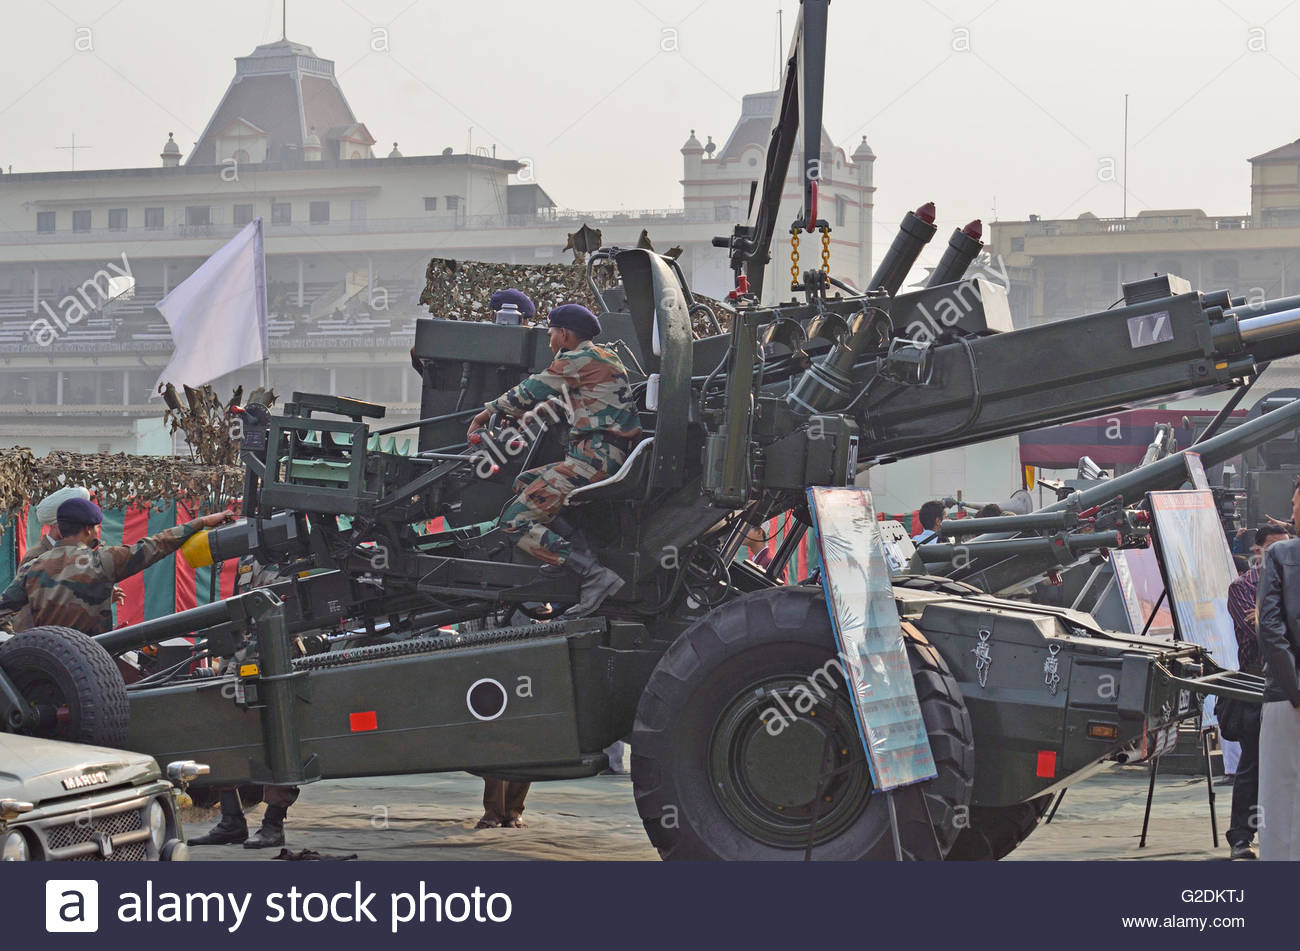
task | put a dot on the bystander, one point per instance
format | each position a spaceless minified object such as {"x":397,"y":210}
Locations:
{"x":930,"y":516}
{"x":1278,"y":618}
{"x":1245,"y":788}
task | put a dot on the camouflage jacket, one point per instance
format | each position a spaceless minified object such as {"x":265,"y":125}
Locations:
{"x":72,"y":585}
{"x":23,"y":619}
{"x":590,"y":385}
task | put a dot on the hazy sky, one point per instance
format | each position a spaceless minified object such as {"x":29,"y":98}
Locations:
{"x":974,"y":104}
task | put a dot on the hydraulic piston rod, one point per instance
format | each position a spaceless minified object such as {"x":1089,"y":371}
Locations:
{"x":1268,"y":326}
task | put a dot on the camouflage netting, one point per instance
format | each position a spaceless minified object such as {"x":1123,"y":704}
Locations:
{"x":116,"y":479}
{"x":460,"y":290}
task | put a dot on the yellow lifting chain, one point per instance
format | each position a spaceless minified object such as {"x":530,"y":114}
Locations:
{"x":826,"y":249}
{"x":794,"y":258}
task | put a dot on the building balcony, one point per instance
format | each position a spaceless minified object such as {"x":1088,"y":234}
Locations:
{"x":431,"y":223}
{"x":1090,"y":225}
{"x":398,"y":342}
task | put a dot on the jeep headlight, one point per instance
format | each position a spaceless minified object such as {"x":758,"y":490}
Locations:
{"x":157,"y":824}
{"x":13,"y":847}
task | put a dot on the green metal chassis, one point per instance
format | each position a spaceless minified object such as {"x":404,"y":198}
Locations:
{"x":571,"y":688}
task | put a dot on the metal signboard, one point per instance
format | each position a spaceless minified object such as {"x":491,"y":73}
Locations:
{"x":855,"y":577}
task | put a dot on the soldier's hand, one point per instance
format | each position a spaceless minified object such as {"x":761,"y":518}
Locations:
{"x":216,"y":518}
{"x":119,"y":596}
{"x":478,"y":422}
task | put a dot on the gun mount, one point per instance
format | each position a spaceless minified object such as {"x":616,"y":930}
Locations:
{"x":380,"y":547}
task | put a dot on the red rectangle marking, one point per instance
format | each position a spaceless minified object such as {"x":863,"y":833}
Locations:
{"x":1046,"y":763}
{"x":369,"y":720}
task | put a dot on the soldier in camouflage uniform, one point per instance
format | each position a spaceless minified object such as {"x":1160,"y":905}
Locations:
{"x":47,"y":514}
{"x":71,"y":585}
{"x":591,"y":384}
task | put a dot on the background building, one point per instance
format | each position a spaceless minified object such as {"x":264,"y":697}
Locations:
{"x":1066,"y":267}
{"x":349,"y":231}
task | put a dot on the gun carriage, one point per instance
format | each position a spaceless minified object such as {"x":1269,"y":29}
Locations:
{"x":693,"y":652}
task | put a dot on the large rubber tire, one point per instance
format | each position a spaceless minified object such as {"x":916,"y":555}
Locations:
{"x":62,"y":669}
{"x":995,"y":832}
{"x":712,"y":783}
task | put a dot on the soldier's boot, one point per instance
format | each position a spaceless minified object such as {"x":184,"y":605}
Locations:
{"x":573,"y":535}
{"x":271,"y":834}
{"x":566,"y":529}
{"x":598,"y":582}
{"x":232,"y":829}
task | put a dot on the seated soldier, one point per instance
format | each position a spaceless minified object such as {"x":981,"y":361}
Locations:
{"x":591,"y":383}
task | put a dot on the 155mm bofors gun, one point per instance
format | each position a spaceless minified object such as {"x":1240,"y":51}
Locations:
{"x":350,"y":666}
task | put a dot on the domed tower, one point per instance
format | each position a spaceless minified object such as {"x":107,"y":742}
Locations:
{"x":171,"y":153}
{"x":864,"y":166}
{"x":692,"y":157}
{"x":864,"y":161}
{"x":281,"y":92}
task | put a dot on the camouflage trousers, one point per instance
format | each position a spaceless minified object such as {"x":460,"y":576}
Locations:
{"x":543,"y":492}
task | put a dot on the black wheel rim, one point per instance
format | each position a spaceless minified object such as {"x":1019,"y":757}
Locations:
{"x":50,"y":702}
{"x":785,"y":753}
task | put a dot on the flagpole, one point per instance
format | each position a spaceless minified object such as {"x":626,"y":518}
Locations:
{"x":266,"y":313}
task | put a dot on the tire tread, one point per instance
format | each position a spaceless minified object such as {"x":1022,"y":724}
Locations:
{"x":727,"y":631}
{"x":103,"y":707}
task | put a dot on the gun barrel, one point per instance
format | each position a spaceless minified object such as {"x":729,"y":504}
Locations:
{"x":1060,"y":549}
{"x":1269,"y":326}
{"x":1035,"y":521}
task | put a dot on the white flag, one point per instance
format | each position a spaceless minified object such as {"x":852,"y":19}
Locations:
{"x":217,"y":315}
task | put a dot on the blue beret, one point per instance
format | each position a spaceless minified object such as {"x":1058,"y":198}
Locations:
{"x":80,"y":512}
{"x":577,"y":318}
{"x":518,"y":298}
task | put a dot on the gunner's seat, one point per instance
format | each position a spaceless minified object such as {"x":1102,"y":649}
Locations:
{"x":630,"y":483}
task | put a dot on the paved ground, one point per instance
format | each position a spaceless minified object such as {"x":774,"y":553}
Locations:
{"x":431,"y":818}
{"x":1101,"y":818}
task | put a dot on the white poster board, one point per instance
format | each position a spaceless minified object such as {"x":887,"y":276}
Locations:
{"x":860,"y":597}
{"x":1198,"y":569}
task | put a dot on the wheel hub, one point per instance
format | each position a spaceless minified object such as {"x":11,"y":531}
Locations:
{"x":49,"y":713}
{"x":783,"y":769}
{"x":785,"y":761}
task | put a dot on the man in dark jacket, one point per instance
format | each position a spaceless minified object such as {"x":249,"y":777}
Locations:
{"x":1278,"y":611}
{"x":1241,"y":606}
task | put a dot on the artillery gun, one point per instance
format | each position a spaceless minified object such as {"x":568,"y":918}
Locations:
{"x":690,"y":657}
